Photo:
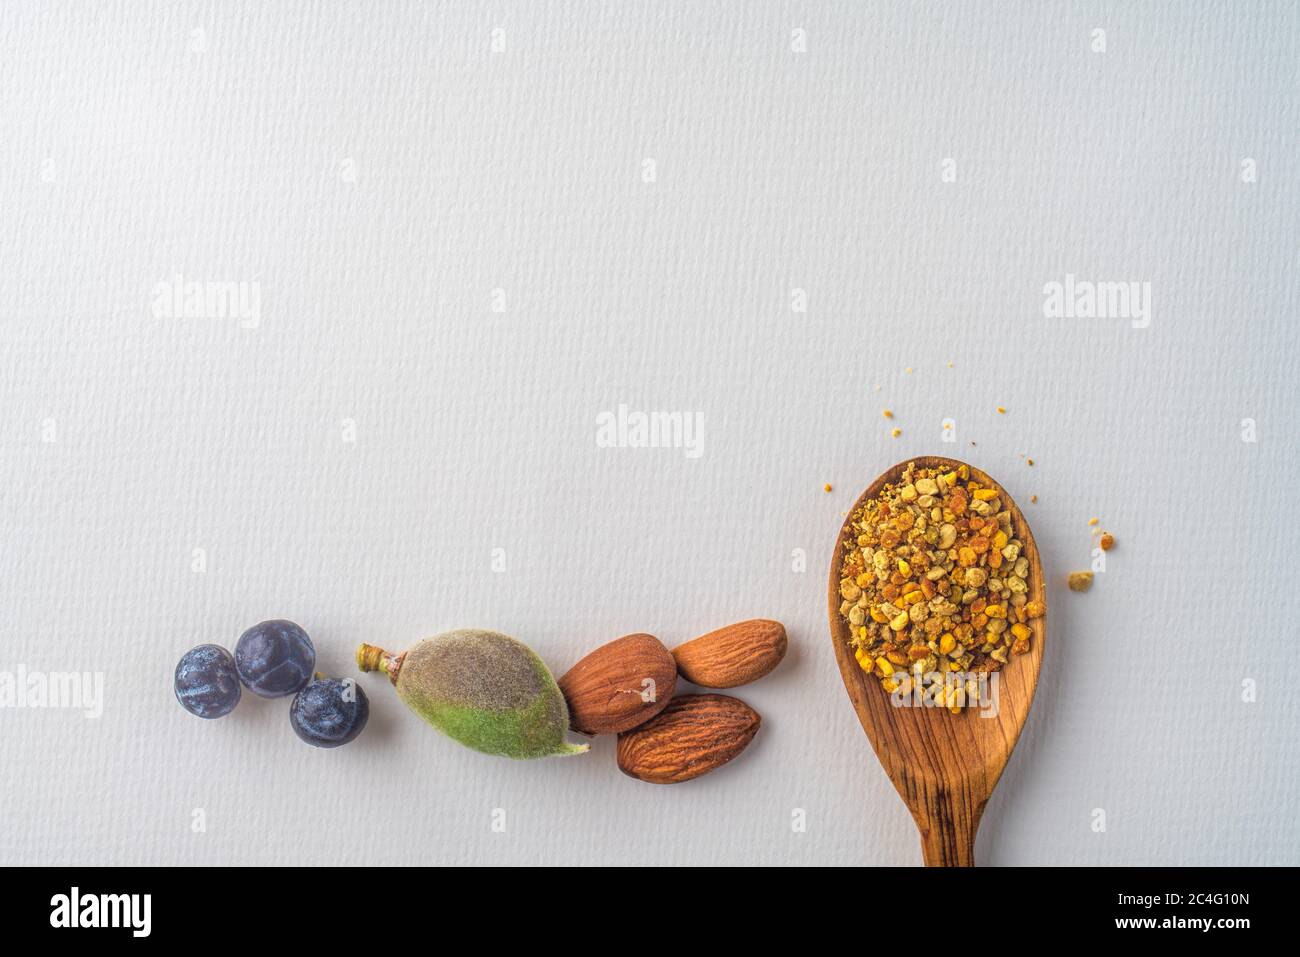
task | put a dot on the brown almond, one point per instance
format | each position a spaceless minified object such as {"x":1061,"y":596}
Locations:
{"x":732,"y":656}
{"x":693,"y":735}
{"x":619,"y":685}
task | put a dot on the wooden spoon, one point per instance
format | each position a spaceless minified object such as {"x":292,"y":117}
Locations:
{"x":944,"y":765}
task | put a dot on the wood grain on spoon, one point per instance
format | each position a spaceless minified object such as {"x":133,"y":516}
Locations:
{"x":944,"y":765}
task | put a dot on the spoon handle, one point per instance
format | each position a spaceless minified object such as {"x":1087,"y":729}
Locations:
{"x":948,"y":832}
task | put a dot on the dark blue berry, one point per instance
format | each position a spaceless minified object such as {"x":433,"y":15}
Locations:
{"x":206,"y":682}
{"x":275,"y":658}
{"x":329,"y":712}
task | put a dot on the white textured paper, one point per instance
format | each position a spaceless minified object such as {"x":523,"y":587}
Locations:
{"x":474,"y":228}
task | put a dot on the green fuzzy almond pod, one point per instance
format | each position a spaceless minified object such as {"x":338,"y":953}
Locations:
{"x":485,"y":689}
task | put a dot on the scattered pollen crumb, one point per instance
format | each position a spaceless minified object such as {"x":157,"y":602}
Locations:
{"x":1107,"y":541}
{"x":947,"y":426}
{"x":909,"y":370}
{"x":1079,"y":581}
{"x":1034,"y":499}
{"x":887,"y":414}
{"x":1092,"y":521}
{"x":896,"y":433}
{"x":1030,"y":461}
{"x":949,"y":363}
{"x":1002,"y":410}
{"x":827,"y":487}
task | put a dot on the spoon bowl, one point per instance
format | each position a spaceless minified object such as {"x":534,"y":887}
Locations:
{"x":944,"y":765}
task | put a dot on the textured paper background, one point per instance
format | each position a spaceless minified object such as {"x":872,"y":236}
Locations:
{"x":378,"y":170}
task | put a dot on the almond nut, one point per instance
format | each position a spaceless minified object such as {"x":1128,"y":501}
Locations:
{"x":732,"y":656}
{"x":619,"y":685}
{"x":693,"y":735}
